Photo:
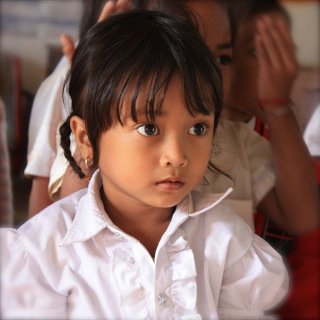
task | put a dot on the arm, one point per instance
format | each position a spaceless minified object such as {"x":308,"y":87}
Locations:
{"x":39,"y":196}
{"x":253,"y":285}
{"x":26,"y":291}
{"x":294,"y":202}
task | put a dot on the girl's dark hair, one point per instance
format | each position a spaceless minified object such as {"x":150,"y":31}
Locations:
{"x":128,"y":55}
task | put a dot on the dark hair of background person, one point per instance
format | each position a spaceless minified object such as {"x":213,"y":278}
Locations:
{"x":180,"y":8}
{"x":248,"y":9}
{"x":129,"y":53}
{"x":91,"y":10}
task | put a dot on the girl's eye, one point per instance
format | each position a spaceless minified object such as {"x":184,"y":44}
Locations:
{"x":148,"y":129}
{"x":224,"y":60}
{"x":199,"y":129}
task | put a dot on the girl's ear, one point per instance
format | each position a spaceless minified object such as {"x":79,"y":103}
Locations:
{"x":79,"y":131}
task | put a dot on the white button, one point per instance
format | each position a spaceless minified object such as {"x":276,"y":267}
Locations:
{"x":132,"y":261}
{"x":162,"y":299}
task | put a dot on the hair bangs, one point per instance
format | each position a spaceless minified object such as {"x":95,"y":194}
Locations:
{"x":145,"y":89}
{"x":137,"y":85}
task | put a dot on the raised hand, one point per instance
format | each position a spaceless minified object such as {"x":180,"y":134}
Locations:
{"x":68,"y":46}
{"x":277,"y":64}
{"x":114,"y":6}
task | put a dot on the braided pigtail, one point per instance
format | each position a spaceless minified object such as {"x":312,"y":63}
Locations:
{"x":65,"y":132}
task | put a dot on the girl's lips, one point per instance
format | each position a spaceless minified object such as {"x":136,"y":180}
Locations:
{"x":170,"y":184}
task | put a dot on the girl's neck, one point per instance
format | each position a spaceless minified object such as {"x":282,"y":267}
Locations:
{"x":145,"y":223}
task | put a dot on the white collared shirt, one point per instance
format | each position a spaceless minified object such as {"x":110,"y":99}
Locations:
{"x":49,"y":109}
{"x":71,"y":261}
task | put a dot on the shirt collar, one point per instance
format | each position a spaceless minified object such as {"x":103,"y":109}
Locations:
{"x":91,"y":218}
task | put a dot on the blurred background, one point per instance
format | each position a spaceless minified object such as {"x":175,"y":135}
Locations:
{"x":30,"y":49}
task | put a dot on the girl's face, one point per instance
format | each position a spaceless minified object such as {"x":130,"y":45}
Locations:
{"x":215,"y":30}
{"x":245,"y":68}
{"x":155,"y":163}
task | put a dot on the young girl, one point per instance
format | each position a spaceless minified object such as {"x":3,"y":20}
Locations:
{"x":137,"y":243}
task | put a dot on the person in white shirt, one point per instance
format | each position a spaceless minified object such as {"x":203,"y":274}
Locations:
{"x":138,"y":242}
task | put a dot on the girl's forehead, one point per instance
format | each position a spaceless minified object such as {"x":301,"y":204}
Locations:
{"x":150,"y":105}
{"x":152,"y":91}
{"x":213,"y":22}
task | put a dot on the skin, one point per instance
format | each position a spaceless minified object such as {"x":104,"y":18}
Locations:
{"x":39,"y":196}
{"x":172,"y":152}
{"x":264,"y":67}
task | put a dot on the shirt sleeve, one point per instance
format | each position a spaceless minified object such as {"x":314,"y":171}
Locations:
{"x":47,"y":112}
{"x":26,"y":292}
{"x":312,"y":133}
{"x":254,"y":284}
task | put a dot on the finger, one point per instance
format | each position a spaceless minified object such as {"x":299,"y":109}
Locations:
{"x":108,"y":9}
{"x":271,"y":44}
{"x":261,"y":51}
{"x":261,"y":43}
{"x":113,"y":6}
{"x":286,"y":45}
{"x":68,"y":47}
{"x":124,"y":5}
{"x":284,"y":30}
{"x":281,"y":50}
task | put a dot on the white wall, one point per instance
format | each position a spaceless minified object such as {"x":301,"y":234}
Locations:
{"x":305,"y":15}
{"x":30,"y":27}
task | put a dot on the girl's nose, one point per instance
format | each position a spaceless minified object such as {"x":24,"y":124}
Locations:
{"x":173,"y":154}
